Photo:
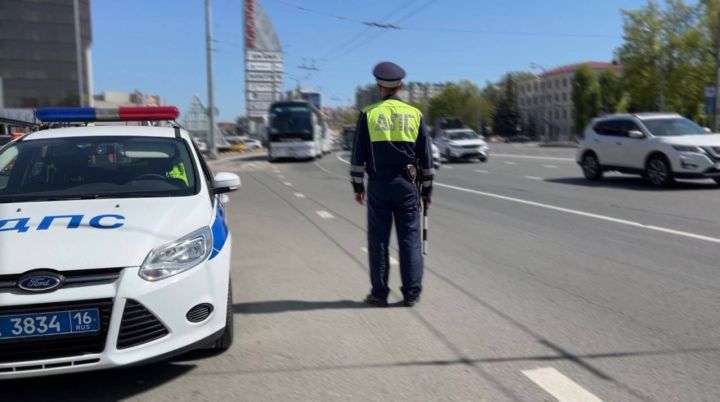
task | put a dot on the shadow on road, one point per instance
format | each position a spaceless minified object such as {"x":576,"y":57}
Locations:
{"x":284,"y":306}
{"x":634,"y":183}
{"x":106,"y":385}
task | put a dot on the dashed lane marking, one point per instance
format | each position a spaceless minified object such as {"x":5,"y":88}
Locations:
{"x":560,"y":386}
{"x":287,"y":183}
{"x":299,"y":195}
{"x":533,"y":177}
{"x":542,"y":158}
{"x":482,"y":171}
{"x":324,"y":214}
{"x":509,"y":163}
{"x":551,"y":166}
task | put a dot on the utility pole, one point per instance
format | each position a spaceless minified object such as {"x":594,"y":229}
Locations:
{"x":78,"y":54}
{"x":212,"y":147}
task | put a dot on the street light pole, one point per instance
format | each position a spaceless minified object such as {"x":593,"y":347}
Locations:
{"x":78,"y":54}
{"x":543,"y":112}
{"x":212,"y":147}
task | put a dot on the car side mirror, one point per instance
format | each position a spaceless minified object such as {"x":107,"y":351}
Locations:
{"x":636,"y":134}
{"x":707,"y":129}
{"x":225,"y":182}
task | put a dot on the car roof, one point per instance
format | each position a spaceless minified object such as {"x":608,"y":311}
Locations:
{"x":639,"y":116}
{"x":104,"y":131}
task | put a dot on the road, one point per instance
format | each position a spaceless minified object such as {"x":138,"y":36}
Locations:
{"x":539,"y":286}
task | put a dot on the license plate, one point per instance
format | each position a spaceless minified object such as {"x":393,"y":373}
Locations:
{"x":47,"y":324}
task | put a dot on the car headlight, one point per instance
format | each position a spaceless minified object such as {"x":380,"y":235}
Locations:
{"x":179,"y":256}
{"x":688,"y":148}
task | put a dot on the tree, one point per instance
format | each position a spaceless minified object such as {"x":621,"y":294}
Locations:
{"x":611,"y":90}
{"x":463,"y":100}
{"x":668,"y":55}
{"x":506,"y":119}
{"x":585,"y":96}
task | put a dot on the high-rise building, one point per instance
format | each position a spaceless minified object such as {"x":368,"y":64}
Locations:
{"x":546,"y":100}
{"x":39,"y":53}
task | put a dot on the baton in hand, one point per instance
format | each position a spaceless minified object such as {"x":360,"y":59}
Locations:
{"x":425,"y":227}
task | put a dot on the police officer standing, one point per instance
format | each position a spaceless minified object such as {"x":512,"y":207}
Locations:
{"x":391,"y":142}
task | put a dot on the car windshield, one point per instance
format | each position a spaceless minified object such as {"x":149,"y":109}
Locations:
{"x":463,"y":135}
{"x":673,"y":127}
{"x":95,"y":167}
{"x":291,"y":122}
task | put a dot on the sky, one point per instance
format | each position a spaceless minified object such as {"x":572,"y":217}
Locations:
{"x":158,"y":46}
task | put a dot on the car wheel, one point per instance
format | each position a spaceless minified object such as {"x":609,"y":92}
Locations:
{"x":658,"y":171}
{"x":447,"y":155}
{"x":483,"y":159}
{"x":717,"y":180}
{"x":224,"y":342}
{"x":591,"y":167}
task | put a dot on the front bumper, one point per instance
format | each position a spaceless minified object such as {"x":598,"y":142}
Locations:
{"x":696,"y":166}
{"x":167,"y":300}
{"x":469,"y":153}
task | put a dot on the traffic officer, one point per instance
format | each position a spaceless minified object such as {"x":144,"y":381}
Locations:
{"x":390,"y":142}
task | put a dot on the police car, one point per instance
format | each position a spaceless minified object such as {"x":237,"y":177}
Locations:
{"x":114,"y":248}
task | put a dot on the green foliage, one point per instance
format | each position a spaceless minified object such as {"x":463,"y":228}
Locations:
{"x":611,"y":90}
{"x":463,"y":100}
{"x":586,"y":96}
{"x":506,"y":119}
{"x":669,"y":50}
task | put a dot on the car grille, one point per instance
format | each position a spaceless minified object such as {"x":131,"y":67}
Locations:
{"x":138,"y":326}
{"x":77,"y":277}
{"x":471,"y":146}
{"x":49,"y":347}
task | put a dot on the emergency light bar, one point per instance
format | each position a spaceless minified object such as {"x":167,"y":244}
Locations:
{"x":90,"y":114}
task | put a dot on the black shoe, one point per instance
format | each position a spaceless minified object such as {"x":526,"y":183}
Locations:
{"x":376,"y":301}
{"x":411,"y":301}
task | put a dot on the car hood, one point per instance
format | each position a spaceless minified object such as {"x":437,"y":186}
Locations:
{"x":146,"y":224}
{"x":697,"y":140}
{"x":463,"y":143}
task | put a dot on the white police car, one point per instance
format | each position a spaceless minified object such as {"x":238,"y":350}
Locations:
{"x":114,"y":248}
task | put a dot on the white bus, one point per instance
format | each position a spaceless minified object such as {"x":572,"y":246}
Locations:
{"x":296,"y":130}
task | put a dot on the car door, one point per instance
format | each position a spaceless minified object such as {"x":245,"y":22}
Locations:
{"x":629,"y":152}
{"x":601,"y":142}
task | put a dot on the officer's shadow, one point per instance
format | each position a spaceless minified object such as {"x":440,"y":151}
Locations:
{"x":284,"y":306}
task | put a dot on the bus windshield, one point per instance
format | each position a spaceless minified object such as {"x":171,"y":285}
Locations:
{"x":290,"y":123}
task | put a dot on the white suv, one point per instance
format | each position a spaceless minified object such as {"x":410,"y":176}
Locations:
{"x":658,"y":146}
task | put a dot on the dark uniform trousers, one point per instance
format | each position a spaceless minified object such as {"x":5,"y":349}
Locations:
{"x":388,"y":198}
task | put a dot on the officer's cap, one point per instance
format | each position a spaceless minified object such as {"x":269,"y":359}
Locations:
{"x":388,"y":75}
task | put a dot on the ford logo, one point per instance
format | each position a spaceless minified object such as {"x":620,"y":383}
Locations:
{"x":40,"y":281}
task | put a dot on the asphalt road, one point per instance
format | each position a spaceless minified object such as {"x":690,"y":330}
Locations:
{"x":538,"y":286}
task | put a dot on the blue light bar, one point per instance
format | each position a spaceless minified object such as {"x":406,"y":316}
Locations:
{"x":65,"y":114}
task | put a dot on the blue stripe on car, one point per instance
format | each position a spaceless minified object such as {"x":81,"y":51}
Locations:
{"x":219,"y":230}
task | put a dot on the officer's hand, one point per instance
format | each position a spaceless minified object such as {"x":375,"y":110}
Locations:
{"x":427,"y":201}
{"x":360,"y":198}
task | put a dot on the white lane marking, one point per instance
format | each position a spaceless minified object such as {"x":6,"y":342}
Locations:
{"x":299,"y":195}
{"x":280,"y":176}
{"x":287,"y":183}
{"x":560,"y":386}
{"x":342,"y":160}
{"x":324,"y":214}
{"x":533,"y":178}
{"x":509,"y":163}
{"x":393,"y":261}
{"x":550,"y":166}
{"x":585,"y":214}
{"x":544,"y":158}
{"x":447,"y":167}
{"x":482,"y":171}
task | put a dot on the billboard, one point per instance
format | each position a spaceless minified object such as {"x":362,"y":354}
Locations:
{"x":263,"y":62}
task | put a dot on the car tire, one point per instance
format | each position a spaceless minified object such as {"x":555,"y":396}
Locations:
{"x":483,"y":159}
{"x":226,"y":340}
{"x":591,"y":167}
{"x":447,"y":155}
{"x":658,"y":171}
{"x":717,"y":180}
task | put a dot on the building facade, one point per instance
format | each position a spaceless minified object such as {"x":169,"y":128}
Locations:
{"x":546,"y":100}
{"x":39,"y":53}
{"x":109,"y":99}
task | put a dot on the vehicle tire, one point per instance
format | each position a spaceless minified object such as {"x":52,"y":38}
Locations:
{"x":447,"y":155}
{"x":483,"y":159}
{"x":717,"y":180}
{"x":224,"y":342}
{"x":658,"y":171}
{"x":591,"y":167}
